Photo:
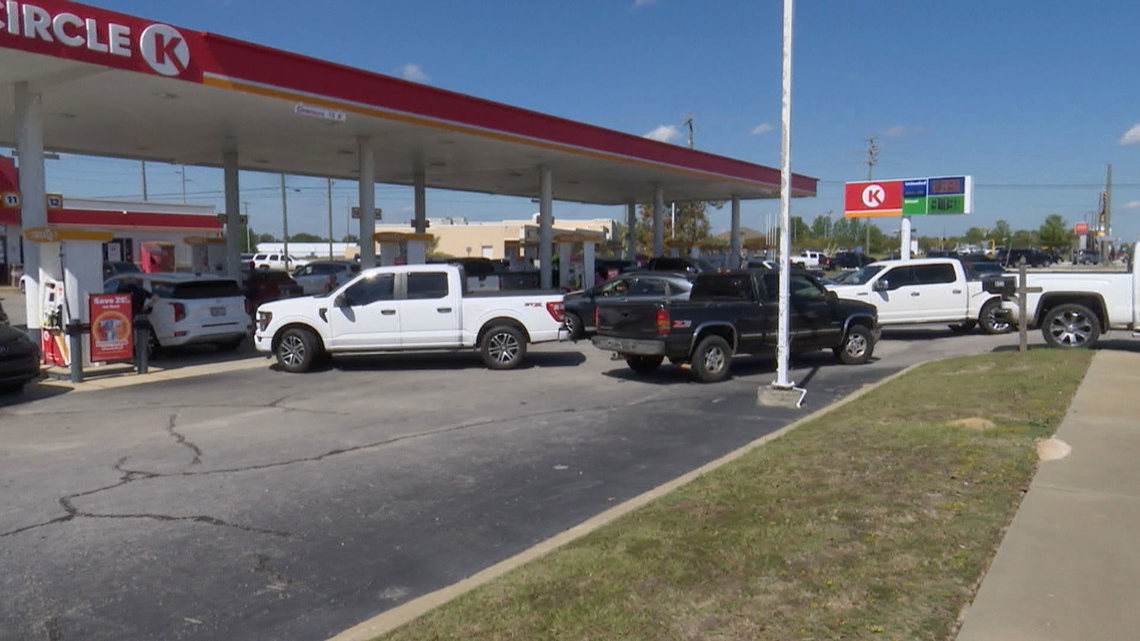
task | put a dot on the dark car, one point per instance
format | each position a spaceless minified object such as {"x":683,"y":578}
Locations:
{"x":692,"y":266}
{"x":19,"y":359}
{"x":114,"y":268}
{"x":1032,"y":257}
{"x":1087,"y":257}
{"x":263,"y":285}
{"x":850,"y":260}
{"x":637,"y":285}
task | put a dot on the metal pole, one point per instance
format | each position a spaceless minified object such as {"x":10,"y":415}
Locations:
{"x":328,"y":201}
{"x":783,"y":346}
{"x":284,"y":224}
{"x":142,"y":174}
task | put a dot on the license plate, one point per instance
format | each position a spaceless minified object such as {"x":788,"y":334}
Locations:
{"x":218,"y":311}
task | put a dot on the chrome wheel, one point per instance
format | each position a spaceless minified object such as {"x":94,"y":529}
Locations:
{"x":293,"y":351}
{"x":1071,"y":326}
{"x":503,"y":347}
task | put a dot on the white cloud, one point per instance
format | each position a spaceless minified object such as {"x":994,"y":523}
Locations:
{"x":1132,"y":136}
{"x":414,"y":72}
{"x":895,"y":132}
{"x":1132,"y":204}
{"x":664,"y":133}
{"x":762,"y":129}
{"x":644,"y":3}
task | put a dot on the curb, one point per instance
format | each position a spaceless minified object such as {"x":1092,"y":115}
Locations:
{"x":115,"y":381}
{"x":390,"y":620}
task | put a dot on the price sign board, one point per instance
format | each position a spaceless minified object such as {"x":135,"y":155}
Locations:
{"x":941,"y":195}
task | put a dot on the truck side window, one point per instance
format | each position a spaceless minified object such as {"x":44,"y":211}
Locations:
{"x":369,"y":290}
{"x":804,"y":289}
{"x":424,"y":285}
{"x":900,"y":277}
{"x":647,"y":287}
{"x":933,"y":274}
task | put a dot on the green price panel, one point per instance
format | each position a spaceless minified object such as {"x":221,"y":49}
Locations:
{"x":955,"y":204}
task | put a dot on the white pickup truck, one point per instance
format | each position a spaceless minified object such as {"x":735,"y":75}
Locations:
{"x":408,"y":308}
{"x":1074,"y":308}
{"x":926,"y":290}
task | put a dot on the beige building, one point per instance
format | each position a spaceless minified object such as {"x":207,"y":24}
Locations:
{"x":503,"y":239}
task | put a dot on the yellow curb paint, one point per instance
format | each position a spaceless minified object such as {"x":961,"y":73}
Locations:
{"x":400,"y":615}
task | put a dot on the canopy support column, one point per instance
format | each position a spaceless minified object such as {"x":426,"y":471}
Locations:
{"x":734,"y":235}
{"x":233,"y":215}
{"x":658,"y":222}
{"x":545,"y":225}
{"x":33,"y":207}
{"x":367,"y":202}
{"x":420,"y":224}
{"x":631,"y":232}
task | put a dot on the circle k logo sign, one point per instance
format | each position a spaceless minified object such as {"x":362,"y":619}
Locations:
{"x":164,"y":49}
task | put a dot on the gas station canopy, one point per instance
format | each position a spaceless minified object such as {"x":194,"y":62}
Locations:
{"x":122,"y":86}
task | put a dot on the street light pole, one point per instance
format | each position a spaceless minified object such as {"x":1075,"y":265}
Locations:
{"x":284,"y":224}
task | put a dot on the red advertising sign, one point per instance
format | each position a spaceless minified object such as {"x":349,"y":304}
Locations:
{"x":111,"y":335}
{"x":872,"y":198}
{"x":1081,"y":229}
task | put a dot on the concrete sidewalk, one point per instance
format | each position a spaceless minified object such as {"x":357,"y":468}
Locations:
{"x":1068,"y":568}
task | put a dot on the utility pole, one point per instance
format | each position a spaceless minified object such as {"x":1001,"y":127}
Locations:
{"x":182,"y":173}
{"x":248,"y":230}
{"x":142,"y":174}
{"x":328,"y":200}
{"x":872,"y":158}
{"x":689,"y":124}
{"x":1106,"y":217}
{"x":284,"y":224}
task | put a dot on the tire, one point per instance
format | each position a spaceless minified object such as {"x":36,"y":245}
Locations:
{"x":574,"y":325}
{"x":503,"y":347}
{"x":711,"y":359}
{"x":963,"y":327}
{"x":858,"y":346}
{"x":988,"y":321}
{"x":1071,"y":325}
{"x":644,"y":364}
{"x":297,"y":350}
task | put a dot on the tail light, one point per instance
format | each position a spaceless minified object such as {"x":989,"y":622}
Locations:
{"x":662,"y":320}
{"x":556,"y":310}
{"x":179,"y":311}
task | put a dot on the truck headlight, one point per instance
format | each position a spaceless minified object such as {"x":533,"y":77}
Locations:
{"x":263,"y":319}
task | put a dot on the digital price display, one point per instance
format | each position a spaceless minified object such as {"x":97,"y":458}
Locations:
{"x":947,"y":186}
{"x":942,"y":195}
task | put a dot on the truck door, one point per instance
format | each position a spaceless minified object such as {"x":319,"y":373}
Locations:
{"x":813,"y":320}
{"x":368,"y":318}
{"x":430,"y":312}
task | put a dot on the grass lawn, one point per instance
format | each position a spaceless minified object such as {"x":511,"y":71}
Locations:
{"x":875,"y":521}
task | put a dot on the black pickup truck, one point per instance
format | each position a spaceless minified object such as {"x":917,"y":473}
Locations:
{"x":735,"y":312}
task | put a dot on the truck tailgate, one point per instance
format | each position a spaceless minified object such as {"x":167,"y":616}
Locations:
{"x":631,"y":319}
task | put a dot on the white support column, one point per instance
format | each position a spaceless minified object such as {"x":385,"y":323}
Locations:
{"x":565,"y":254}
{"x":367,"y":202}
{"x":421,"y":201}
{"x":546,"y":219}
{"x":589,"y":269}
{"x":630,"y":232}
{"x":33,"y":208}
{"x":734,"y":235}
{"x":904,"y":238}
{"x":658,"y":222}
{"x":233,"y":215}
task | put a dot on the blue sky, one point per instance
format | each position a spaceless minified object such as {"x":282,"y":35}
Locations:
{"x":1032,"y":98}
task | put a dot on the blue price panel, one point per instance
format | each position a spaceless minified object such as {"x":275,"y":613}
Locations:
{"x":951,"y":186}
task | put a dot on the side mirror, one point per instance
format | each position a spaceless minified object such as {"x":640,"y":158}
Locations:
{"x":881,"y":285}
{"x":341,"y":301}
{"x":832,"y":296}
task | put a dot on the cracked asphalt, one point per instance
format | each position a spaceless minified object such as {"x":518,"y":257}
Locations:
{"x":255,"y":504}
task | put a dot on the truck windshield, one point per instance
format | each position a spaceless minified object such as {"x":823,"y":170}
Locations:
{"x":864,"y":274}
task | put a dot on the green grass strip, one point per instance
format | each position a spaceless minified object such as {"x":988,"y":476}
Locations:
{"x":874,"y":521}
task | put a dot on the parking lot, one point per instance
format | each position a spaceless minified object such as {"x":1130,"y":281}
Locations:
{"x":255,"y":504}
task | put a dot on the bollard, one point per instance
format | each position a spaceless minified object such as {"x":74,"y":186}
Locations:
{"x":75,"y":347}
{"x":142,"y":341}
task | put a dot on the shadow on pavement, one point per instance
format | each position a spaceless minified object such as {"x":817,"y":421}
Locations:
{"x":36,"y":391}
{"x":420,"y":361}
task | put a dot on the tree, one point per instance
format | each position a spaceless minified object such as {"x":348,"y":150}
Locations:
{"x":1001,"y":232}
{"x":974,"y":235}
{"x":306,"y":237}
{"x":687,"y":225}
{"x":821,"y":226}
{"x":1054,"y":232}
{"x":266,"y":238}
{"x":350,"y":238}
